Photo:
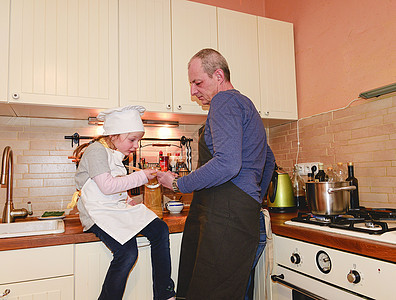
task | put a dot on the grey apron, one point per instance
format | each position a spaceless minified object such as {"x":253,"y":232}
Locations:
{"x":220,"y":239}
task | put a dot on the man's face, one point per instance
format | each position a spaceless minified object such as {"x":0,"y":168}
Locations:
{"x":201,"y":85}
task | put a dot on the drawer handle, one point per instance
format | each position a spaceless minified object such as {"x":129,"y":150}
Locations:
{"x":144,"y":245}
{"x":6,"y":293}
{"x":279,"y":278}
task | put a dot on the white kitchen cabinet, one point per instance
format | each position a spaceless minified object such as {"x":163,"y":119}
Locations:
{"x":42,"y":273}
{"x":49,"y":289}
{"x":277,"y":69}
{"x":194,"y":27}
{"x":93,"y":260}
{"x":4,"y":31}
{"x":64,"y":53}
{"x":145,"y":54}
{"x":238,"y":43}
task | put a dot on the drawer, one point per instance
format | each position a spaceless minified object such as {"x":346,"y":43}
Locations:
{"x":36,"y":263}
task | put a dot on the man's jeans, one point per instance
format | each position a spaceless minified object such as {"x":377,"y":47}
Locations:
{"x":124,"y":258}
{"x":260,"y":249}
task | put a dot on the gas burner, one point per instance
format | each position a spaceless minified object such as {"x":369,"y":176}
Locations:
{"x":359,"y":220}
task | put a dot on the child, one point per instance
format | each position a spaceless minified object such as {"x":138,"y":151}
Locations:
{"x":107,"y":211}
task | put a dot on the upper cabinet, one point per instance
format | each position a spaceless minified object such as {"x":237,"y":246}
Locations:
{"x":277,"y":69}
{"x":145,"y":54}
{"x":4,"y":31}
{"x":238,"y":43}
{"x":64,"y":53}
{"x":194,"y":27}
{"x":89,"y":55}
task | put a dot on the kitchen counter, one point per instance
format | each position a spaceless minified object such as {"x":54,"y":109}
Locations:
{"x":369,"y":248}
{"x":73,"y":235}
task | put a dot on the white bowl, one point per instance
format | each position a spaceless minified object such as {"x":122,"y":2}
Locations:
{"x":174,"y":207}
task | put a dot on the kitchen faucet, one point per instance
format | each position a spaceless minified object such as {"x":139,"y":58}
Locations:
{"x":7,"y":174}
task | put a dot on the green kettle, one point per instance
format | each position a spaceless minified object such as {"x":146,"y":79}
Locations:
{"x":280,"y":192}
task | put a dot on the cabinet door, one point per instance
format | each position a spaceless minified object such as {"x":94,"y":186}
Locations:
{"x":4,"y":30}
{"x":175,"y":246}
{"x":239,"y":45}
{"x":92,"y":261}
{"x":60,"y":288}
{"x":277,"y":69}
{"x":145,"y":54}
{"x":194,"y":27}
{"x":64,"y":53}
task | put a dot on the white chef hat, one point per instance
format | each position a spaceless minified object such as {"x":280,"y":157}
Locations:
{"x":122,"y":119}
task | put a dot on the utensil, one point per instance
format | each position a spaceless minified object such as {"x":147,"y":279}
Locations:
{"x":328,"y":198}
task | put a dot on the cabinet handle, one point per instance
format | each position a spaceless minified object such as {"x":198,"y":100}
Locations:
{"x":168,"y":106}
{"x":144,"y":245}
{"x":267,"y":113}
{"x":179,"y":107}
{"x":15,"y":96}
{"x":6,"y":293}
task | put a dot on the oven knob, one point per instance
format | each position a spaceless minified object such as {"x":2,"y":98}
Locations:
{"x":295,"y":258}
{"x":353,"y":276}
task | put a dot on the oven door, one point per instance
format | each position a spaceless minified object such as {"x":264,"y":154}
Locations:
{"x":287,"y":284}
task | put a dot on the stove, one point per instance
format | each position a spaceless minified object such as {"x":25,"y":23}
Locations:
{"x":377,"y":224}
{"x":308,"y":271}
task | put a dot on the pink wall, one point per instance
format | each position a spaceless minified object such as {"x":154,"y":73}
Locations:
{"x":343,"y":47}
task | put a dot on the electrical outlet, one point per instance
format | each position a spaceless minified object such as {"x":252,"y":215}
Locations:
{"x":305,"y":168}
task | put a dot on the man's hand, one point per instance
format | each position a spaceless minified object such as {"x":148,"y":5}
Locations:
{"x":166,"y":178}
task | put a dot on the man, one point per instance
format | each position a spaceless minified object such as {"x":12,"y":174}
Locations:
{"x":235,"y":166}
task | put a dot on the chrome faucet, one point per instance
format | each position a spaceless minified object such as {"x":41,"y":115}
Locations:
{"x":7,"y":174}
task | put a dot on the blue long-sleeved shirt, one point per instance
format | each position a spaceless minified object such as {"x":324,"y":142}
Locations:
{"x":235,"y":136}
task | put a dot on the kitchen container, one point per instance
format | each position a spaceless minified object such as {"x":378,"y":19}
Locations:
{"x":328,"y":198}
{"x":280,"y":193}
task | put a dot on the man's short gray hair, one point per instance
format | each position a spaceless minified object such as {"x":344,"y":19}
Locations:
{"x":212,"y":60}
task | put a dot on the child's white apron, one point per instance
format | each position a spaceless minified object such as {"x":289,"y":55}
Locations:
{"x":111,"y":212}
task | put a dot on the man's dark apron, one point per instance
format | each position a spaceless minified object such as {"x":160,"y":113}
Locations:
{"x":220,"y":239}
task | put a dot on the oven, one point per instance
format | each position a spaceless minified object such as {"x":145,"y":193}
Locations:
{"x":305,"y":271}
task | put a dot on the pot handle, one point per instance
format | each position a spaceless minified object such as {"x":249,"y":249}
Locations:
{"x":346,"y":188}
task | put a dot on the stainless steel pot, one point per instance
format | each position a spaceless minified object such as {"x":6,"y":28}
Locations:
{"x":328,"y":198}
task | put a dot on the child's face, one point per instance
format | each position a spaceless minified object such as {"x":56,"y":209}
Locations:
{"x":127,"y":143}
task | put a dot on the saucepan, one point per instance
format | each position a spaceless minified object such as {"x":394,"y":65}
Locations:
{"x":328,"y":198}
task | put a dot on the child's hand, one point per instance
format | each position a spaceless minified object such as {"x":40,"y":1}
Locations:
{"x":150,"y":173}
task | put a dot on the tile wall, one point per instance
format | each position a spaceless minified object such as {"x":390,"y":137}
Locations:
{"x":364,"y":133}
{"x":43,"y":174}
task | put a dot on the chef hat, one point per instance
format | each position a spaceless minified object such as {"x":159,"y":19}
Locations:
{"x":122,"y":119}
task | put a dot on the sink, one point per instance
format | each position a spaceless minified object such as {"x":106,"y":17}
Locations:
{"x":31,"y":228}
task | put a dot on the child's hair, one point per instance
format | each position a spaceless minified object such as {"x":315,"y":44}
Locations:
{"x":78,"y":152}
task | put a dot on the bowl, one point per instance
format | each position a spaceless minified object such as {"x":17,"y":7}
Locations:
{"x":174,"y":207}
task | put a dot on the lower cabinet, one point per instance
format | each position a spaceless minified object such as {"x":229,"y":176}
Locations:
{"x":49,"y":289}
{"x":38,"y":273}
{"x":93,"y":259}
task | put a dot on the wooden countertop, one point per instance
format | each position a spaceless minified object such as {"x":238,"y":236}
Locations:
{"x":369,"y":248}
{"x":74,"y":234}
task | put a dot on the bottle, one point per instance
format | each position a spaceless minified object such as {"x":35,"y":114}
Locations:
{"x":340,"y":172}
{"x":354,"y":195}
{"x":321,"y":176}
{"x":298,"y":188}
{"x":163,"y":162}
{"x":331,"y":176}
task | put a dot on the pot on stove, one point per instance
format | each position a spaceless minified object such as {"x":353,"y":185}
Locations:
{"x":328,"y":198}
